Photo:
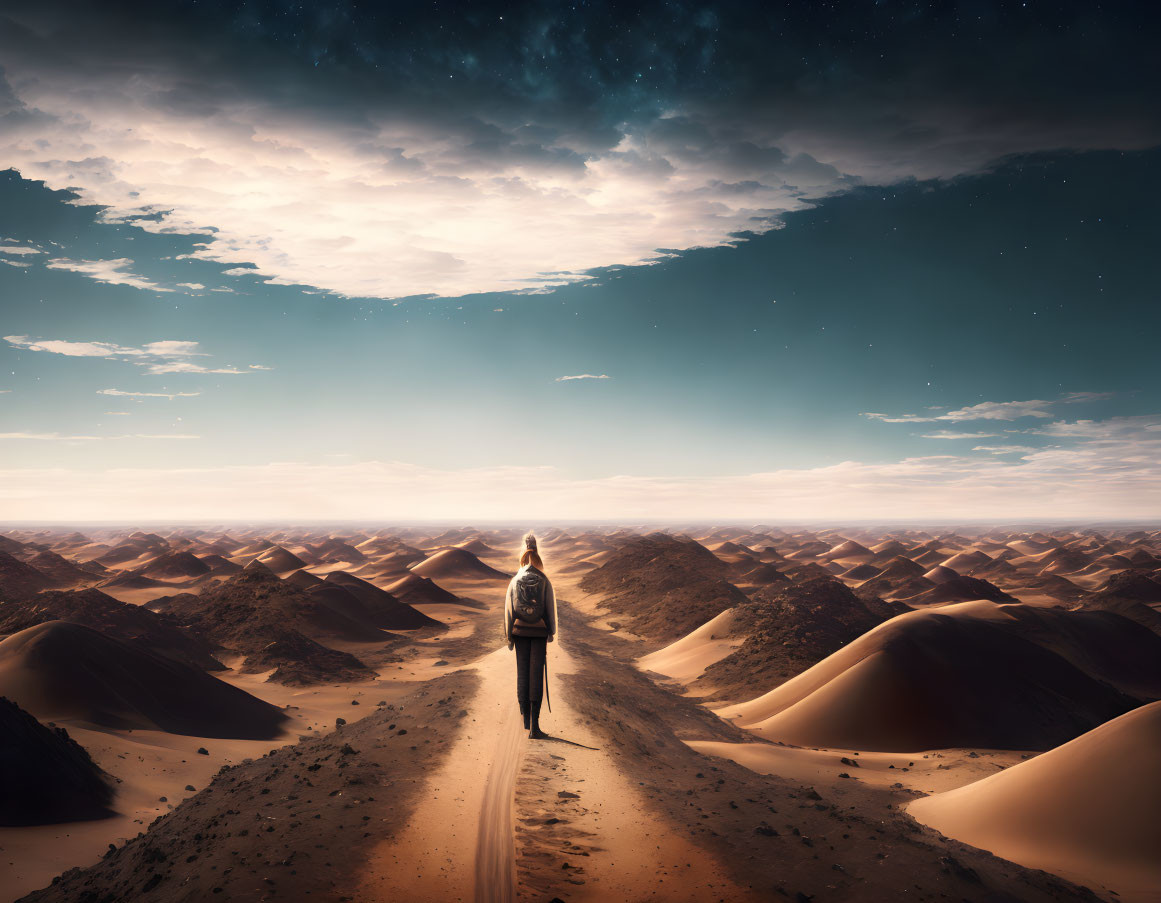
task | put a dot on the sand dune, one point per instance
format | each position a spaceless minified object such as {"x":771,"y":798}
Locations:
{"x":688,"y":658}
{"x":478,"y":547}
{"x":941,"y":573}
{"x":303,"y":579}
{"x":456,"y":564}
{"x":59,"y":670}
{"x":961,"y":676}
{"x":280,"y":560}
{"x":848,"y":550}
{"x":413,"y":588}
{"x":1089,"y":810}
{"x":45,"y":776}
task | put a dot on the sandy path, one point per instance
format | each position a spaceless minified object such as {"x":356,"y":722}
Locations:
{"x":601,"y":840}
{"x":495,"y":846}
{"x":463,"y":832}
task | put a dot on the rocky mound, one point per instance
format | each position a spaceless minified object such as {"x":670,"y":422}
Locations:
{"x":60,"y":570}
{"x":60,"y":670}
{"x":46,"y":777}
{"x":385,"y":610}
{"x":961,"y":589}
{"x":253,"y":609}
{"x":788,"y":628}
{"x":662,"y":586}
{"x":176,"y":566}
{"x":298,"y":661}
{"x":1132,"y":594}
{"x":300,"y":823}
{"x":19,"y":580}
{"x":970,"y":675}
{"x":337,"y":550}
{"x":134,"y":580}
{"x":131,"y":623}
{"x":762,"y":575}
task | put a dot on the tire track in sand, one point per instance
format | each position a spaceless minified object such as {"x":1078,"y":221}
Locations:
{"x":496,"y":844}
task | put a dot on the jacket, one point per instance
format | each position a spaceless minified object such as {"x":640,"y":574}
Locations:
{"x":549,"y":605}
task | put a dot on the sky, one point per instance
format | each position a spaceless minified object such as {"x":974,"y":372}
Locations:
{"x":579,"y":261}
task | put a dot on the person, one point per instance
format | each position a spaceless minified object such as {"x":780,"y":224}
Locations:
{"x":529,"y":626}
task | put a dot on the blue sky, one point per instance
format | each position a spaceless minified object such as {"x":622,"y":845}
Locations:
{"x":838,"y":327}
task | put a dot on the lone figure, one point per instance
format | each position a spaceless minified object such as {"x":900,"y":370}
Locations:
{"x":529,"y":626}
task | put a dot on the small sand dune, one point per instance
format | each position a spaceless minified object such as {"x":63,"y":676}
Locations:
{"x":686,"y":659}
{"x":455,"y":563}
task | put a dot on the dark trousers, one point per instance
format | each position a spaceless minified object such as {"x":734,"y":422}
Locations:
{"x":530,"y":652}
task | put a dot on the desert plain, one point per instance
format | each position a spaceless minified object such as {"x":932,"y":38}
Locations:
{"x":738,"y":712}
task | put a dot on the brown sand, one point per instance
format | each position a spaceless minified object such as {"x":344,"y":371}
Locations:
{"x":1089,"y":810}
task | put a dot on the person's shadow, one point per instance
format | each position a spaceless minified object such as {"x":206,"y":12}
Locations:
{"x":552,"y":739}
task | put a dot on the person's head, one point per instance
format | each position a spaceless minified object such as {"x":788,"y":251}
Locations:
{"x":530,"y":556}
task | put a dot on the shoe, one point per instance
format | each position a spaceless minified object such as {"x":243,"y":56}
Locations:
{"x":534,"y":732}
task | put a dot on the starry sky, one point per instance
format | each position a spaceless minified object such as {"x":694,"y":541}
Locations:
{"x":671,"y":261}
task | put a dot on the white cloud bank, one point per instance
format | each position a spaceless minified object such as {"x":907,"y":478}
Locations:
{"x":393,"y":199}
{"x":1114,"y":471}
{"x":565,"y":379}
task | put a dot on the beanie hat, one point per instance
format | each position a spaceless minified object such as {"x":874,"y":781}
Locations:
{"x":529,"y":542}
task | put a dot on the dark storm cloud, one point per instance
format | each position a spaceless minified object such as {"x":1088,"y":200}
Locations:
{"x":627,"y":128}
{"x":904,"y":76}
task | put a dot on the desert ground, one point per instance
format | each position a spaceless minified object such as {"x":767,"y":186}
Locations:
{"x":742,"y":712}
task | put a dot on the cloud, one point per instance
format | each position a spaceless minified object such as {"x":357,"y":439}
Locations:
{"x":1081,"y":397}
{"x":994,"y":410}
{"x":20,"y":250}
{"x":169,"y":395}
{"x":1004,"y":449}
{"x":113,"y":272}
{"x":1115,"y":429}
{"x":165,"y":356}
{"x":189,"y":367}
{"x":376,"y":162}
{"x":165,"y":348}
{"x":951,"y":434}
{"x":196,"y":286}
{"x":562,"y":379}
{"x":16,"y":263}
{"x":62,"y":437}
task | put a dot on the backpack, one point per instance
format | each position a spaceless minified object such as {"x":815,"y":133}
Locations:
{"x":528,"y":602}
